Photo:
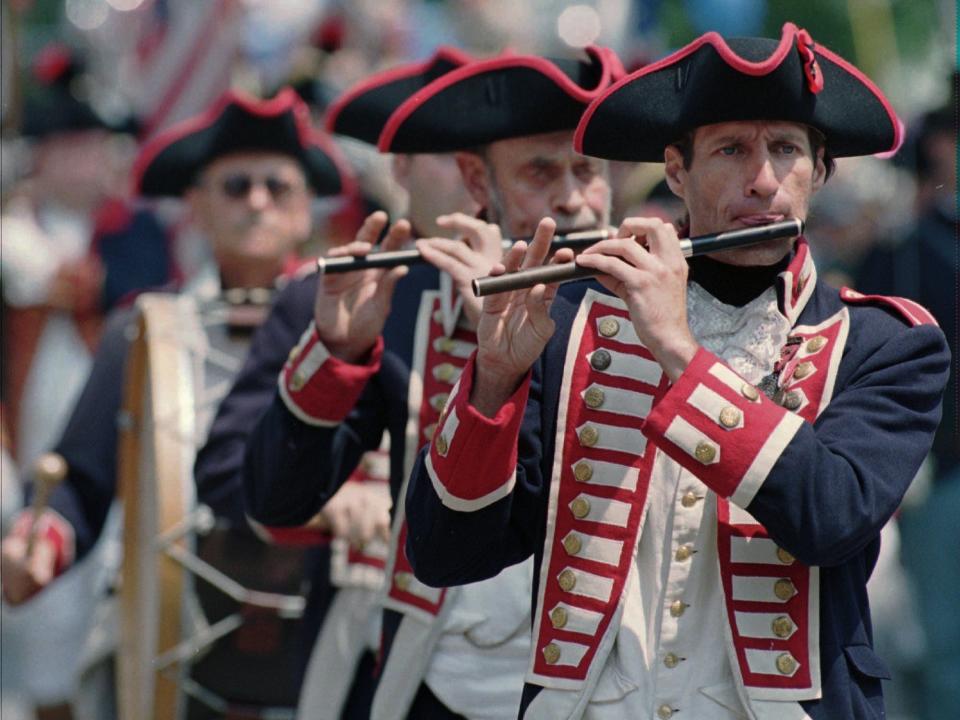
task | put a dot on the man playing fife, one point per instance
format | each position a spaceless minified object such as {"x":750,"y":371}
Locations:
{"x":361,"y":367}
{"x":701,"y":467}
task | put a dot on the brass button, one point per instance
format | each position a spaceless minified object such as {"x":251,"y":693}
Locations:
{"x":445,"y":344}
{"x":429,"y":430}
{"x":441,"y":445}
{"x":664,"y":712}
{"x":705,"y":452}
{"x":689,"y":499}
{"x":551,"y":653}
{"x":583,"y":471}
{"x":297,"y":381}
{"x":749,"y":392}
{"x":594,"y":397}
{"x":803,"y":370}
{"x":730,"y":417}
{"x":786,"y":663}
{"x":785,"y":557}
{"x":670,"y":660}
{"x":609,"y":327}
{"x":815,"y":344}
{"x":294,"y":353}
{"x":600,"y":360}
{"x":683,"y":553}
{"x":782,"y":626}
{"x":444,"y":372}
{"x":677,"y":608}
{"x":567,"y":580}
{"x":792,"y":400}
{"x":438,"y":402}
{"x":589,"y":436}
{"x":572,"y":543}
{"x":558,"y":616}
{"x":580,"y":507}
{"x":784,"y":589}
{"x":402,"y":580}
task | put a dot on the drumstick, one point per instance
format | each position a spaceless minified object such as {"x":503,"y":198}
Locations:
{"x":48,"y":472}
{"x":689,"y":246}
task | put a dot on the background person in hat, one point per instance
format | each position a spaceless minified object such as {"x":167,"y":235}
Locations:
{"x":363,"y":366}
{"x":73,"y":247}
{"x":248,"y":171}
{"x":700,"y":465}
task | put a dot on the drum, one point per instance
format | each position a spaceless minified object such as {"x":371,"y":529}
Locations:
{"x":209,"y":615}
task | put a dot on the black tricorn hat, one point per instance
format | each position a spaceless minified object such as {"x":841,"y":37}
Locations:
{"x":362,"y":111}
{"x":504,"y":97}
{"x":55,"y":104}
{"x":169,"y":163}
{"x":713,"y":80}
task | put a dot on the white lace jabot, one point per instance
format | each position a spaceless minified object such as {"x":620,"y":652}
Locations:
{"x":748,"y":338}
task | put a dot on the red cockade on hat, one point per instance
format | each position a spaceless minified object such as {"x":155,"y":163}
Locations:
{"x":810,"y":68}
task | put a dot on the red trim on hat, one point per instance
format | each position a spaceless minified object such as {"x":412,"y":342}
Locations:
{"x":348,"y":183}
{"x":444,"y":52}
{"x":898,"y":126}
{"x":286,"y":100}
{"x":52,"y":62}
{"x":533,"y":62}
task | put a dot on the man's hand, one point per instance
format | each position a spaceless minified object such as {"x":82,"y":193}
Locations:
{"x":645,"y":268}
{"x":351,"y":308}
{"x":472,"y":256}
{"x":359,"y":512}
{"x":514,"y":327}
{"x":24,"y":576}
{"x":77,"y":285}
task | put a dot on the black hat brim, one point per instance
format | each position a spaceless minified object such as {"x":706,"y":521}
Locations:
{"x":505,"y":97}
{"x":363,"y":110}
{"x":170,"y":163}
{"x":713,"y":80}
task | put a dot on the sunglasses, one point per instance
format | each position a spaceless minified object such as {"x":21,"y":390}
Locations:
{"x":238,"y":187}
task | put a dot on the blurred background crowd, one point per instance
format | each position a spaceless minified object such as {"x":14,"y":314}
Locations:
{"x":86,"y":82}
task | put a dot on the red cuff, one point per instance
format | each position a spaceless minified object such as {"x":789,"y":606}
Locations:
{"x":721,"y":428}
{"x":472,"y":461}
{"x":297,"y":536}
{"x":54,"y":529}
{"x":319,"y":388}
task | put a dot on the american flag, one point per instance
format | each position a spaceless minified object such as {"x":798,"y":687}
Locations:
{"x":182,"y":57}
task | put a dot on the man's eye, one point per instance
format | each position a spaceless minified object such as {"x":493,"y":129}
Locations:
{"x":728,"y":150}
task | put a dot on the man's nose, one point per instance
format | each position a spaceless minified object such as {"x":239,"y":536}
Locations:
{"x":762,"y":180}
{"x":259,"y":196}
{"x":570,"y":197}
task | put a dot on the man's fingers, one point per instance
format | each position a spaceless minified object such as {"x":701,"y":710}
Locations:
{"x":540,"y":246}
{"x":372,"y":226}
{"x":397,"y":236}
{"x":356,"y":247}
{"x":389,"y":282}
{"x":42,"y":562}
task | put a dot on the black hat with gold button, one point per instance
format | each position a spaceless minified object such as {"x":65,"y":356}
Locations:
{"x":713,"y":80}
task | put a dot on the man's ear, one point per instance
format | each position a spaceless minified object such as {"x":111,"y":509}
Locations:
{"x":400,"y":166}
{"x":473,"y":170}
{"x":674,"y":170}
